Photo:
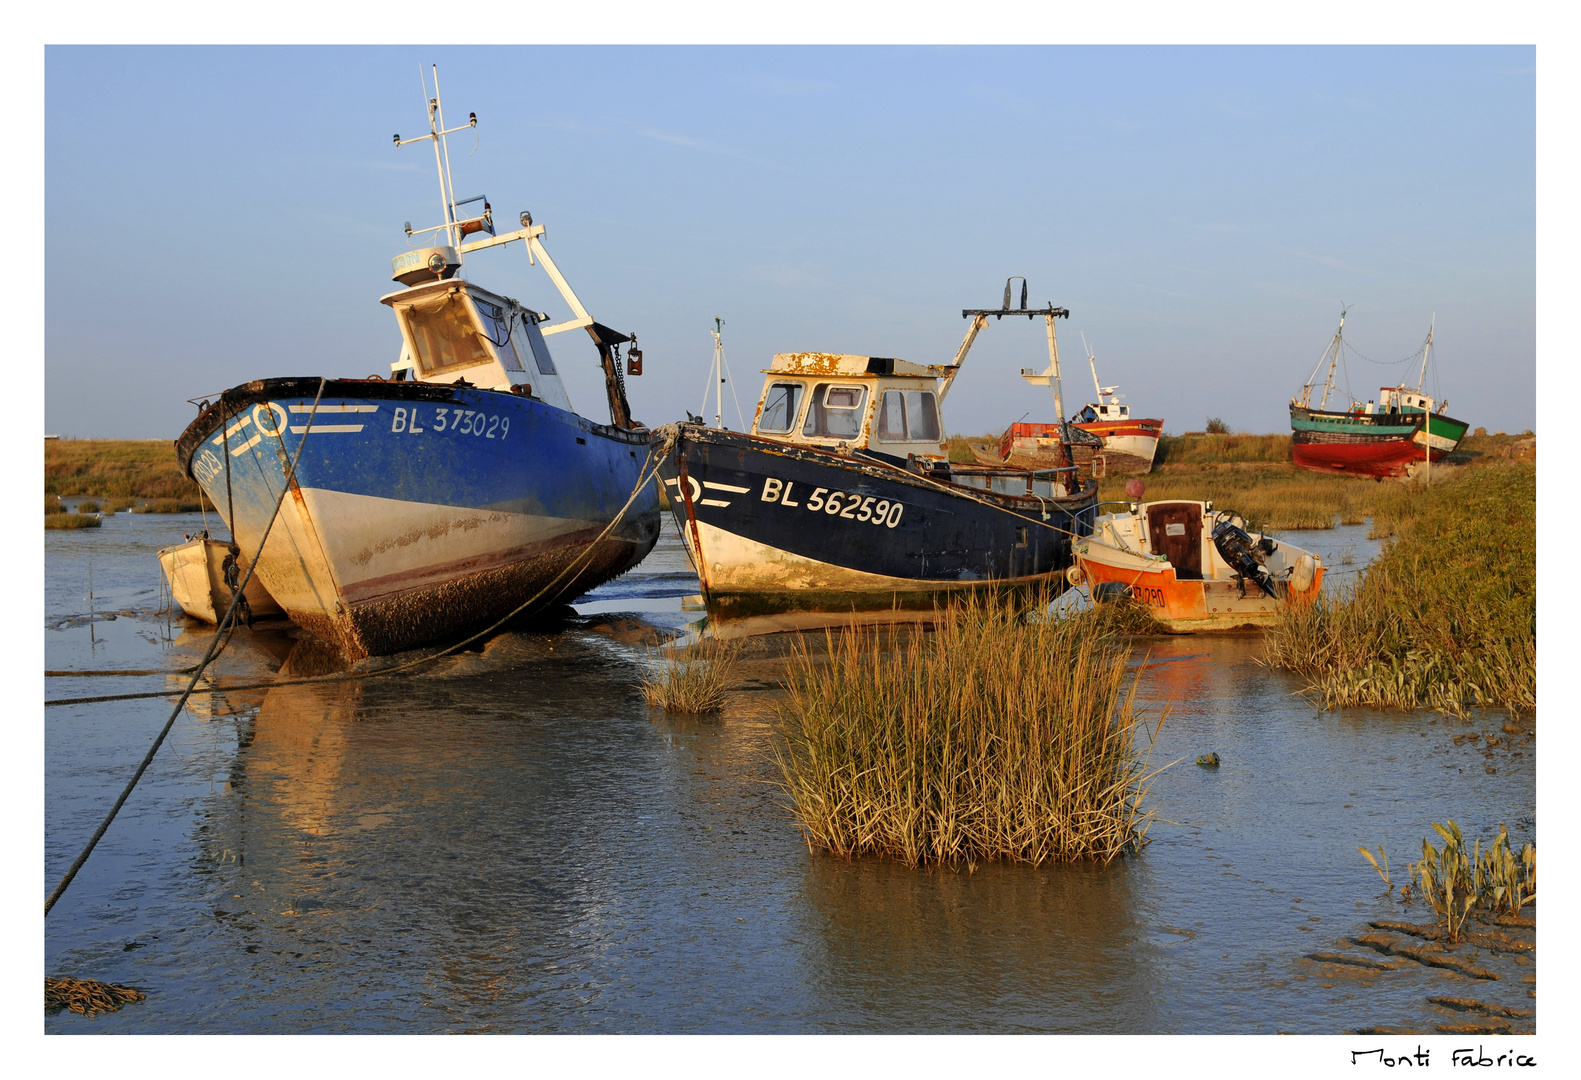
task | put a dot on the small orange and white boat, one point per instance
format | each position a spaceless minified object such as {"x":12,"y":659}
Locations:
{"x":1195,"y":569}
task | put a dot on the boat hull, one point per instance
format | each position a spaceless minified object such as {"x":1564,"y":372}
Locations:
{"x":1188,"y":607}
{"x":419,"y":511}
{"x":1128,"y":445}
{"x":1162,"y":555}
{"x":775,"y":528}
{"x":195,"y":572}
{"x":1383,"y":446}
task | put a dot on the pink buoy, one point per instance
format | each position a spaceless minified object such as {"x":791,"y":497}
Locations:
{"x":1134,"y":488}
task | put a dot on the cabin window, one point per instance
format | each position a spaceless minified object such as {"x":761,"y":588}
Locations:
{"x":444,"y":334}
{"x":780,"y":406}
{"x":908,"y":416}
{"x":836,"y":412}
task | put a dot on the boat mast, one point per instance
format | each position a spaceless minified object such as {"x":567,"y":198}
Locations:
{"x":1334,"y":346}
{"x":1092,"y":363}
{"x":437,"y":133}
{"x":1054,"y":379}
{"x":1426,"y":347}
{"x":718,"y":375}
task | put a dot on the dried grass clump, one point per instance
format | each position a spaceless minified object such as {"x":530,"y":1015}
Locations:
{"x":71,"y":521}
{"x":1445,"y":618}
{"x":693,"y":679}
{"x":87,"y":506}
{"x":1005,"y":733}
{"x":87,"y":997}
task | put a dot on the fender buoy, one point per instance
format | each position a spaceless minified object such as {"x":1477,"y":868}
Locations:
{"x":1302,"y":575}
{"x":1075,"y":575}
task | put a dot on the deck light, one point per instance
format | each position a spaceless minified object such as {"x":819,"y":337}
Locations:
{"x":526,"y":220}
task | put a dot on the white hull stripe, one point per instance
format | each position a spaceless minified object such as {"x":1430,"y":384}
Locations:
{"x":231,"y":432}
{"x":725,"y":487}
{"x":712,"y":502}
{"x":248,"y":445}
{"x":334,"y":408}
{"x":325,"y":429}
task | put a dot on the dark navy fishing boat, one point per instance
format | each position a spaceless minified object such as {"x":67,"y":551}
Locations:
{"x":842,"y":498}
{"x":444,"y":498}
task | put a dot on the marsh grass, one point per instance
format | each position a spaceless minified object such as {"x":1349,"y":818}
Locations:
{"x":1455,"y":881}
{"x":53,"y":505}
{"x":1444,"y":618}
{"x":959,"y":448}
{"x":127,"y":468}
{"x":1277,"y":495}
{"x":88,"y":506}
{"x":1125,"y":617}
{"x":1197,"y":447}
{"x":71,"y":521}
{"x":693,"y":679}
{"x":1005,"y":733}
{"x":167,"y":506}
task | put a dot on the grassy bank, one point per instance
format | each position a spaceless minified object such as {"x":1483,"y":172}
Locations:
{"x":116,"y":468}
{"x":994,"y":736}
{"x":1446,"y":616}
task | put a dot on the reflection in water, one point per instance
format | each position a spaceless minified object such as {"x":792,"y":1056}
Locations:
{"x":1007,"y":948}
{"x":512,"y":841}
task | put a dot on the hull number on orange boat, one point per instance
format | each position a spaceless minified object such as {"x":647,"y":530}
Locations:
{"x":1143,"y":594}
{"x":864,"y":508}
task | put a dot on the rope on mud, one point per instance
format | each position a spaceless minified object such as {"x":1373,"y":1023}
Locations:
{"x":87,"y":997}
{"x":214,"y":647}
{"x":655,"y":457}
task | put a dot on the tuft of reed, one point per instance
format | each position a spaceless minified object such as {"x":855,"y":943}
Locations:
{"x":1444,"y":618}
{"x":87,"y":506}
{"x":53,"y":505}
{"x":1006,"y":732}
{"x":1454,"y":881}
{"x":1125,"y":617}
{"x":167,"y":506}
{"x":72,"y":521}
{"x":693,"y":679}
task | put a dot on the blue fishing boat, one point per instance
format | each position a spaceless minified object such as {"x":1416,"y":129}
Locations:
{"x":461,"y":488}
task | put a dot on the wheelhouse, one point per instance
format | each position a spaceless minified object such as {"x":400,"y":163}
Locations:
{"x":452,"y":329}
{"x":840,"y":401}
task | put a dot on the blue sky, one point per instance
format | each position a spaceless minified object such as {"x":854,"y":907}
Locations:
{"x":215,"y":215}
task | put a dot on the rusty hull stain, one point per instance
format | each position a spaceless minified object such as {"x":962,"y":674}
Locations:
{"x":433,"y":532}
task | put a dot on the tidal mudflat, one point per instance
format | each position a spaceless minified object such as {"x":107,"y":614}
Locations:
{"x":514,"y":841}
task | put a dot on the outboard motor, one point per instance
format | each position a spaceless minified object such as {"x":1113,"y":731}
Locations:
{"x":1235,"y":545}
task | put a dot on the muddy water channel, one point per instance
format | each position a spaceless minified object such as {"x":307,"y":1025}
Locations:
{"x":513,"y":842}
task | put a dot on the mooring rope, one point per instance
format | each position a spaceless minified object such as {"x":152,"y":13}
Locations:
{"x":213,"y":650}
{"x":655,"y":457}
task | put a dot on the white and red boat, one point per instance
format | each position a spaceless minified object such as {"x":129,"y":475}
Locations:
{"x":1193,"y":568}
{"x":1103,"y":433}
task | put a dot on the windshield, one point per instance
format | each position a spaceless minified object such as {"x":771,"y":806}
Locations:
{"x":780,"y":406}
{"x":836,"y":412}
{"x":444,"y":334}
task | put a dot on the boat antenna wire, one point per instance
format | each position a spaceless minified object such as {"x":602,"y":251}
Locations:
{"x":656,"y":454}
{"x":230,"y":614}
